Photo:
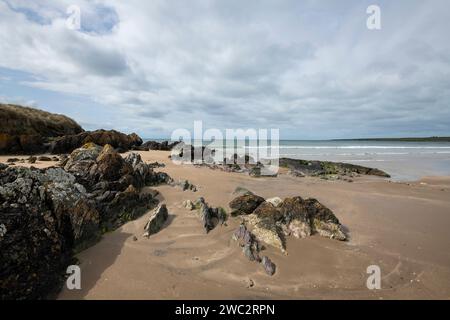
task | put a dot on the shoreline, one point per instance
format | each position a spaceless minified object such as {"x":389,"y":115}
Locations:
{"x":399,"y":226}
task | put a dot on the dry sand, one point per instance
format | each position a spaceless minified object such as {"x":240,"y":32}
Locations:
{"x":401,"y":227}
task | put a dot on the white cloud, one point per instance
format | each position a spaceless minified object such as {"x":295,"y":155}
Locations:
{"x":311,"y":69}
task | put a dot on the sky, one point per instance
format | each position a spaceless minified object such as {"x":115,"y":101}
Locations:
{"x":309,"y":68}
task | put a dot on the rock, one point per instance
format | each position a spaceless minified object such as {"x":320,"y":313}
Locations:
{"x":117,"y":140}
{"x":12,"y":160}
{"x":56,"y":159}
{"x":186,"y":185}
{"x":126,"y":206}
{"x":211,"y":217}
{"x":250,"y":283}
{"x":268,"y":266}
{"x":304,"y":217}
{"x":156,"y":220}
{"x":188,"y":205}
{"x":135,"y":238}
{"x":296,"y":173}
{"x":296,"y":217}
{"x":270,"y":233}
{"x":325,"y":168}
{"x":276,"y":201}
{"x":44,"y":158}
{"x":32,"y":160}
{"x":241,"y":191}
{"x":248,"y":242}
{"x":47,"y":216}
{"x":153,"y":145}
{"x":26,"y":130}
{"x":245,"y":204}
{"x":267,"y":210}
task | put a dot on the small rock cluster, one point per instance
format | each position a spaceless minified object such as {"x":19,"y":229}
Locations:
{"x":251,"y":248}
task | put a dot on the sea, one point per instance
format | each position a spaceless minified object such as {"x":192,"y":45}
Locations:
{"x":404,"y":161}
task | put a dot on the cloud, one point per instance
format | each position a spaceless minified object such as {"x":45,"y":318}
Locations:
{"x":311,"y":69}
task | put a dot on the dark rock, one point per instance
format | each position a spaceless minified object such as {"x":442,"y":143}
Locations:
{"x":154,"y":145}
{"x":156,"y":220}
{"x":305,"y":217}
{"x":12,"y":160}
{"x":268,"y":266}
{"x":47,"y":215}
{"x":120,"y":141}
{"x":324,"y":168}
{"x":248,"y":242}
{"x":44,"y":158}
{"x":32,"y":160}
{"x":245,"y":204}
{"x":241,"y":191}
{"x":266,"y":210}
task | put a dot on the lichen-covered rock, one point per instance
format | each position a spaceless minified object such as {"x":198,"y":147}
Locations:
{"x":117,"y":140}
{"x":245,"y":204}
{"x":294,"y":216}
{"x":156,"y":221}
{"x":46,"y":216}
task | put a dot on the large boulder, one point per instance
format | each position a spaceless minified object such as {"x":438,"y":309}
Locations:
{"x":26,"y":130}
{"x":117,"y":140}
{"x":293,"y":216}
{"x":45,"y":215}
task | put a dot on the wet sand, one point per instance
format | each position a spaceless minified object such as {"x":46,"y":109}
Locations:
{"x":401,"y":227}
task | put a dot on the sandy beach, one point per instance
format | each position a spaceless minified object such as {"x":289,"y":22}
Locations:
{"x":401,"y":227}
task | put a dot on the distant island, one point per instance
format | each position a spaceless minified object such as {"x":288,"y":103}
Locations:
{"x":425,"y":139}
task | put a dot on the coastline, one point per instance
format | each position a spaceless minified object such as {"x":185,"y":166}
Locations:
{"x":399,"y":226}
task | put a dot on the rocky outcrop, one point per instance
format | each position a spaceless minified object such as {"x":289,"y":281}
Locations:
{"x":301,"y":168}
{"x":26,"y":130}
{"x":120,"y":141}
{"x":154,"y":145}
{"x":245,"y":204}
{"x":156,"y":220}
{"x":47,"y":215}
{"x":296,"y":217}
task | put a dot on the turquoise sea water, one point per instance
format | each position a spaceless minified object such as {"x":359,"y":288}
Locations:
{"x":403,"y":160}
